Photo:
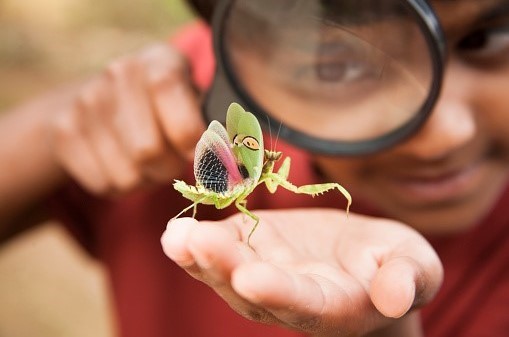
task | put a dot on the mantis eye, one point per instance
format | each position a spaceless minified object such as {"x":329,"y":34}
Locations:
{"x":251,"y":143}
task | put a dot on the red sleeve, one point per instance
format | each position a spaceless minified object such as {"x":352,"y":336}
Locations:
{"x":195,"y":42}
{"x":74,"y":208}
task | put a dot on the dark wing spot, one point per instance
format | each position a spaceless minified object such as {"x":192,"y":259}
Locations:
{"x":243,"y":171}
{"x":211,"y":172}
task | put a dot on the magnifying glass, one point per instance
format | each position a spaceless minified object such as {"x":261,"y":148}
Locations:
{"x":338,"y":77}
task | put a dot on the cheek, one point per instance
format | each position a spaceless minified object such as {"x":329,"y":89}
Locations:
{"x":491,"y":103}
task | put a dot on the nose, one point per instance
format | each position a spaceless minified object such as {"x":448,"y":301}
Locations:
{"x":451,"y":124}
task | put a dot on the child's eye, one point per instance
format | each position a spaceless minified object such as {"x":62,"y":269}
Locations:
{"x":339,"y":71}
{"x":333,"y":71}
{"x":486,"y":45}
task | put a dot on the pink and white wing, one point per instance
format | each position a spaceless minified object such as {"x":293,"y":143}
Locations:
{"x":215,"y":167}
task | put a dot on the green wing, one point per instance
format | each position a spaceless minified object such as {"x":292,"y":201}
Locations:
{"x":246,"y":136}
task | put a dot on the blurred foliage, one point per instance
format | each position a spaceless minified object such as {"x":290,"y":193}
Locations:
{"x":45,"y":42}
{"x":49,"y":288}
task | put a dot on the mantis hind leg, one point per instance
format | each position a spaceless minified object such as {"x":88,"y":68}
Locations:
{"x":241,"y":206}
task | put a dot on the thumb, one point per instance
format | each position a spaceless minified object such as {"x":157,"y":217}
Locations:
{"x":403,"y":282}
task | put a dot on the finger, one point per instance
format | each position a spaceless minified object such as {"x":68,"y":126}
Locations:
{"x":404,"y":282}
{"x":398,"y":259}
{"x":210,"y":254}
{"x":165,"y":167}
{"x":303,"y":301}
{"x":134,"y":119}
{"x":175,"y":99}
{"x":97,"y":105}
{"x":216,"y":252}
{"x":210,"y":246}
{"x":75,"y":154}
{"x":268,"y":240}
{"x":175,"y":241}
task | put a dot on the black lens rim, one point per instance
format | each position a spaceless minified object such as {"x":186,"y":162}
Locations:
{"x":435,"y":40}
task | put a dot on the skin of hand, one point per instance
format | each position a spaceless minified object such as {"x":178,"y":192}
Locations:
{"x":133,"y":124}
{"x":136,"y":123}
{"x":357,"y":276}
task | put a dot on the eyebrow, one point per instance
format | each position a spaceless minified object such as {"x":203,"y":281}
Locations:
{"x":485,"y":11}
{"x":497,"y":10}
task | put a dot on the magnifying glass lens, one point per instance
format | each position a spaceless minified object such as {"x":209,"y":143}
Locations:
{"x":350,"y":70}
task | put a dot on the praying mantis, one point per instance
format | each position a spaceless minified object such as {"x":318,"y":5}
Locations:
{"x":230,"y":163}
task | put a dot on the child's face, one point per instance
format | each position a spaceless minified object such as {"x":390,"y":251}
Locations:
{"x":450,"y":173}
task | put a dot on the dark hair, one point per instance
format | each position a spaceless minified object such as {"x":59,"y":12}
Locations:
{"x":204,"y":8}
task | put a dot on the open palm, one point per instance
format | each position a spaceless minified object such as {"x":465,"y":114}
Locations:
{"x":314,"y":270}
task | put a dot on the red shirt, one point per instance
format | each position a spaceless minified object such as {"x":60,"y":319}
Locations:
{"x":156,"y":298}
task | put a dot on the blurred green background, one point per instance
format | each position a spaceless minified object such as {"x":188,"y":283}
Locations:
{"x":48,"y":286}
{"x":46,"y":41}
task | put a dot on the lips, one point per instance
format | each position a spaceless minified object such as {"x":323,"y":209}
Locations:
{"x":433,"y":186}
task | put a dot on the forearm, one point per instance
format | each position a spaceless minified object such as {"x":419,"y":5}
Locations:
{"x":28,"y":171}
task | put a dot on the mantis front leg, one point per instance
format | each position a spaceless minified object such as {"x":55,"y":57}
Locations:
{"x":283,"y":172}
{"x":274,"y":180}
